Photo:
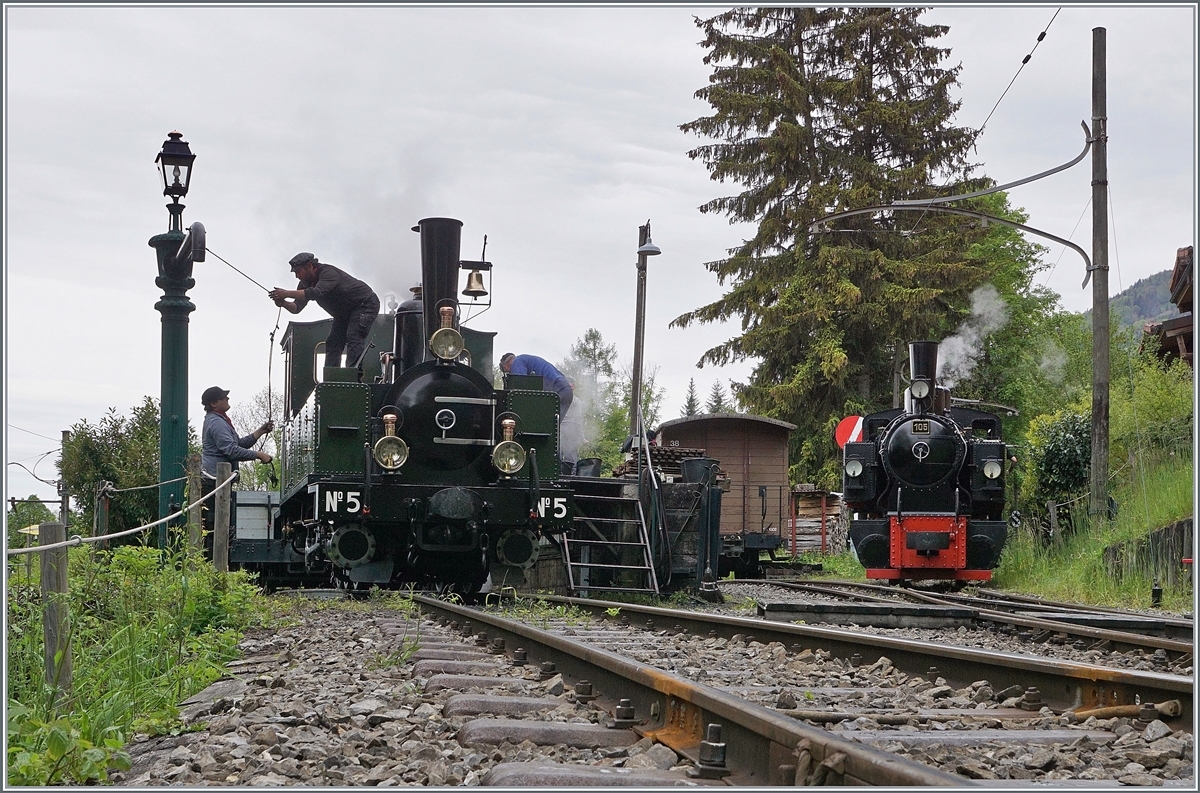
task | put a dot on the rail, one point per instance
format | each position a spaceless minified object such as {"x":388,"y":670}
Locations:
{"x":762,"y":746}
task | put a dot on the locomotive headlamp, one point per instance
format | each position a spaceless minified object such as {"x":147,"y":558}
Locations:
{"x":992,"y":469}
{"x":508,"y":456}
{"x":390,"y":451}
{"x":919,"y":388}
{"x":446,"y":343}
{"x":854,"y":468}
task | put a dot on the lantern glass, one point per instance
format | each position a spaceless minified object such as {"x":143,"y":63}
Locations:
{"x":175,"y":161}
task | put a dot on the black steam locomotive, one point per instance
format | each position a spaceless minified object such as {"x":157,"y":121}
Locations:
{"x":424,"y":473}
{"x":926,"y":484}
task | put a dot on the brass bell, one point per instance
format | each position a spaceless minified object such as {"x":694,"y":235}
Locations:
{"x":475,"y":285}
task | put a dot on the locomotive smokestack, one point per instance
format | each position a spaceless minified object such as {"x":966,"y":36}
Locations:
{"x":440,"y":239}
{"x":922,"y":360}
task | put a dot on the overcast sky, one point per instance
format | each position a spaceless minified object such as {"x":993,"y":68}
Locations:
{"x":554,"y":131}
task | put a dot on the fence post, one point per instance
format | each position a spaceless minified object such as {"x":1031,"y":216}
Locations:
{"x":1052,"y":508}
{"x":221,"y":519}
{"x":195,"y":541}
{"x":56,"y":621}
{"x":103,"y":501}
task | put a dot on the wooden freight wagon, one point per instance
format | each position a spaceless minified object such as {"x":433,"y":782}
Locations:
{"x":753,"y":453}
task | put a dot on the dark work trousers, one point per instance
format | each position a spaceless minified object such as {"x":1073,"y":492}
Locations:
{"x":350,"y":332}
{"x":207,"y":510}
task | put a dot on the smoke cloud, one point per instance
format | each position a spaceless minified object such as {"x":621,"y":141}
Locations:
{"x":1053,"y":363}
{"x":958,"y":354}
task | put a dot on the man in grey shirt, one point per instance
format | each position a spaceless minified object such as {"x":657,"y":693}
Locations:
{"x":221,"y":444}
{"x":352,"y":304}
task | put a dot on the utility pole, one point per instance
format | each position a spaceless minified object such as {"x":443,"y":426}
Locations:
{"x":1098,"y":504}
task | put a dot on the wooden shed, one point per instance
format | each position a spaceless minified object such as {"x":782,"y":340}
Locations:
{"x":753,"y":452}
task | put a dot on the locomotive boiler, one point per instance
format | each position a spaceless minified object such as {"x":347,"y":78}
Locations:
{"x":925,"y":484}
{"x":424,"y":474}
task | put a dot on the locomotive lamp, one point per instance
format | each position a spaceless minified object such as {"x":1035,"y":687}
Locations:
{"x":854,"y":468}
{"x":390,"y":451}
{"x":446,"y":343}
{"x":176,"y":251}
{"x":508,"y":456}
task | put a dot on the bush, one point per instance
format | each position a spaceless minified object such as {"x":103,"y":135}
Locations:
{"x":1060,"y":454}
{"x":1151,"y":406}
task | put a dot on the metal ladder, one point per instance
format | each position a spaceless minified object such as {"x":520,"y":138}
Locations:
{"x":599,"y":552}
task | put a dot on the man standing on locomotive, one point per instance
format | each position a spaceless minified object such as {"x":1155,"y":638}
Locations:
{"x":221,"y":444}
{"x":352,"y":304}
{"x":551,"y":377}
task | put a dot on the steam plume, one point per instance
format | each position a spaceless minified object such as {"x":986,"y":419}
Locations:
{"x":959,"y":353}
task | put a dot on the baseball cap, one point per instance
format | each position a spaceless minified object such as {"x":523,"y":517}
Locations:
{"x":212,"y":394}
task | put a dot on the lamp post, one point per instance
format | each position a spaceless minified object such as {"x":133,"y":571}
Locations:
{"x":176,"y":251}
{"x":646,"y":248}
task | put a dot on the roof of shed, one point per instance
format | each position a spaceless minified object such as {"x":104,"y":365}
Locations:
{"x":726,"y":417}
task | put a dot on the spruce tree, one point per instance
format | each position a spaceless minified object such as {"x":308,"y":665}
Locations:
{"x":691,"y":405}
{"x":818,"y":110}
{"x":717,"y":401}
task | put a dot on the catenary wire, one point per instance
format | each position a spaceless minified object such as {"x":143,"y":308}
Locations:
{"x":31,"y":432}
{"x":1040,"y":37}
{"x":982,"y":126}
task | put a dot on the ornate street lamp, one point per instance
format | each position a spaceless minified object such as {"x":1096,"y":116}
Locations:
{"x":176,"y":253}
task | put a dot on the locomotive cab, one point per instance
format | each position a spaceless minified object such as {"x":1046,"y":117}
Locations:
{"x":926,"y":484}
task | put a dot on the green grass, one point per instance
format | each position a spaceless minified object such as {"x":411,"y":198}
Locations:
{"x":144,"y":636}
{"x":1154,"y":494}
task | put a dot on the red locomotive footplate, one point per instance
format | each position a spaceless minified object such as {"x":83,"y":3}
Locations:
{"x":929,"y":573}
{"x":921,"y":542}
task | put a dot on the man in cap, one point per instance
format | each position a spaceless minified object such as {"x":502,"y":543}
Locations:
{"x":221,"y":444}
{"x":352,"y":304}
{"x":552,"y":379}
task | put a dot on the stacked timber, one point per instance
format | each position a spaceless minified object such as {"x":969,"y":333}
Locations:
{"x":808,"y":520}
{"x":666,"y":460}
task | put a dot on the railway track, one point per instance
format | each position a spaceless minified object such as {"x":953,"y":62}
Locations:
{"x":1063,"y":684}
{"x":726,"y":737}
{"x":969,"y":719}
{"x":1120,"y":631}
{"x":437,"y":693}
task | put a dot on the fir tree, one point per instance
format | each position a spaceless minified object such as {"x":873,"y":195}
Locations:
{"x":691,"y":405}
{"x":717,"y":401}
{"x":818,"y":110}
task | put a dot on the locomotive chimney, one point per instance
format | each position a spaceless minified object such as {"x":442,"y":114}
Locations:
{"x":440,"y":239}
{"x":922,"y":360}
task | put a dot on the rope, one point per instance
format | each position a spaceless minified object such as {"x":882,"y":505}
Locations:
{"x":147,"y":487}
{"x":270,"y":361}
{"x":77,"y":540}
{"x":248,"y":278}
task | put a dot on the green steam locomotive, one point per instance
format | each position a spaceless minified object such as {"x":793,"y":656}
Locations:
{"x":423,"y":474}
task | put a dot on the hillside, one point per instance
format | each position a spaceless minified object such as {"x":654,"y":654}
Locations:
{"x":1148,"y":300}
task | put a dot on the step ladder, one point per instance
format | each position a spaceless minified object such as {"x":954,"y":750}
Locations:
{"x":608,"y":547}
